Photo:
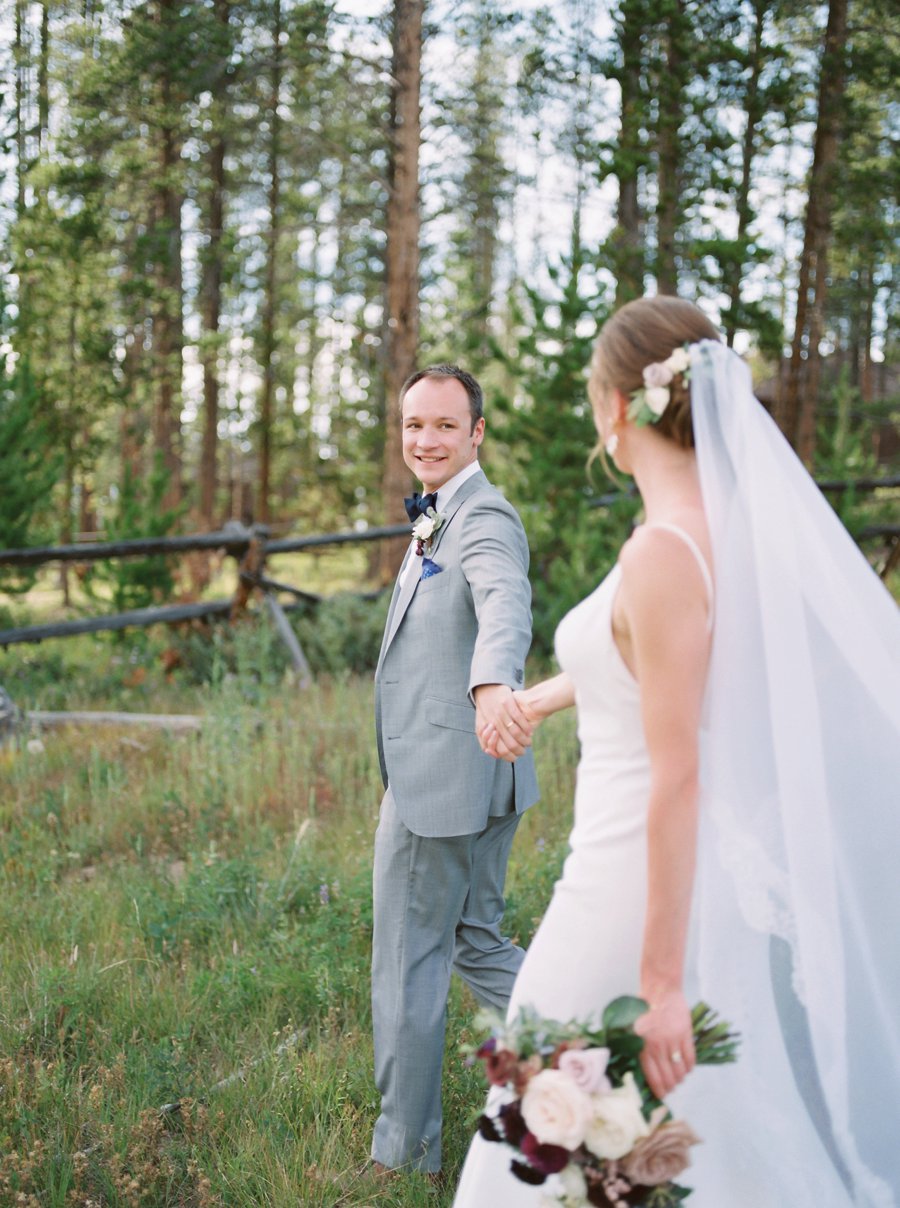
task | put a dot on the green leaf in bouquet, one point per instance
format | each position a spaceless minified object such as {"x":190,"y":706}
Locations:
{"x":623,"y":1012}
{"x":714,"y":1041}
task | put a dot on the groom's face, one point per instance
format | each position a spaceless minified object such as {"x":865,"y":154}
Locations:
{"x":438,"y":437}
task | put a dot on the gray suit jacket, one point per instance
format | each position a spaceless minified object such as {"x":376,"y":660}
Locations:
{"x":468,"y":625}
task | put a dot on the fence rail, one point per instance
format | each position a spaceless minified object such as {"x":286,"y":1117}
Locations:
{"x":251,"y":546}
{"x":234,"y":539}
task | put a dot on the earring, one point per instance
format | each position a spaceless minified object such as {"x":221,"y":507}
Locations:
{"x":611,"y":444}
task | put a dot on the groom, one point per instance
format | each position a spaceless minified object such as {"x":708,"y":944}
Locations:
{"x":457,"y":633}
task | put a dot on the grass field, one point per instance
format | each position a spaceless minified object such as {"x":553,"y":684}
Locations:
{"x":186,"y":925}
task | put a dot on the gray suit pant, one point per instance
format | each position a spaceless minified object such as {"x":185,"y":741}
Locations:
{"x":438,"y":905}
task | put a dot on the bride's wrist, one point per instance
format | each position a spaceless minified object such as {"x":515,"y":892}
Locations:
{"x":661,"y":992}
{"x":530,"y":701}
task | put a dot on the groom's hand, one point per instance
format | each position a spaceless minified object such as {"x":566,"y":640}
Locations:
{"x":501,"y":725}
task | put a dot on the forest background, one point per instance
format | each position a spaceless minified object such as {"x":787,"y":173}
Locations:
{"x":231,"y":228}
{"x":228,"y":230}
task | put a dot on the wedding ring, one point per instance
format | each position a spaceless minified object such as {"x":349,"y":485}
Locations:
{"x":677,"y":1058}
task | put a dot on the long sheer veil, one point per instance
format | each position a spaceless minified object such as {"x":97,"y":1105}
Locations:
{"x":797,"y":905}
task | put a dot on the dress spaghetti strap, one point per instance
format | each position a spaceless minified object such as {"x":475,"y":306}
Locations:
{"x":699,"y":558}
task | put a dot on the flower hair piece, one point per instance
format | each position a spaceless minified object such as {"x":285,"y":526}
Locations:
{"x":650,"y":401}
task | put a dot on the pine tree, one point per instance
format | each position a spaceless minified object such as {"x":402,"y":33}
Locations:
{"x":140,"y":510}
{"x":28,"y":470}
{"x":548,"y":431}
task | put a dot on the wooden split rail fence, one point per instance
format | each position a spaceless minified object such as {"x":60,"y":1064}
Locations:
{"x":251,"y":546}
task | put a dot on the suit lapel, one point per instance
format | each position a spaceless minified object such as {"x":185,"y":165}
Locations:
{"x":469,"y":487}
{"x":403,"y":595}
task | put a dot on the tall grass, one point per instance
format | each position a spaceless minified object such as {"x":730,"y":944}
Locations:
{"x":186,"y":926}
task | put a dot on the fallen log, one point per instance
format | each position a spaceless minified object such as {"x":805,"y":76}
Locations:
{"x":177,"y":722}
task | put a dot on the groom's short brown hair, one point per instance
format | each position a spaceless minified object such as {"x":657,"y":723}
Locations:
{"x":470,"y":385}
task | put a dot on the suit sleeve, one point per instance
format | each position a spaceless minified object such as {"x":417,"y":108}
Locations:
{"x":494,"y":560}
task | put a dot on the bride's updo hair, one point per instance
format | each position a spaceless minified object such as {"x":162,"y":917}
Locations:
{"x":639,"y":334}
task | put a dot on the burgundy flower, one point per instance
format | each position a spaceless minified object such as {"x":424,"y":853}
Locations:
{"x":501,"y":1067}
{"x":549,"y":1159}
{"x":513,"y":1125}
{"x":488,"y":1129}
{"x":527,"y":1174}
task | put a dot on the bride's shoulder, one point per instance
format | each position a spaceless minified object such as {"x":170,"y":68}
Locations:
{"x":657,"y":554}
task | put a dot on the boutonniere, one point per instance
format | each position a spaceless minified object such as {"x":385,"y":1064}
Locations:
{"x":424,"y":529}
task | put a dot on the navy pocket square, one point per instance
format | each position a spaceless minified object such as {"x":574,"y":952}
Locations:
{"x":430,"y":568}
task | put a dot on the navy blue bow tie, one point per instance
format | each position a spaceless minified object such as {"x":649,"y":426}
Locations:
{"x":418,"y":505}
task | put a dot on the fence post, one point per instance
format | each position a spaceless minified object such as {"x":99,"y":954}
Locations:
{"x":287,"y":635}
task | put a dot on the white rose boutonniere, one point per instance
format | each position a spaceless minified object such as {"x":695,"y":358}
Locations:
{"x":424,"y":529}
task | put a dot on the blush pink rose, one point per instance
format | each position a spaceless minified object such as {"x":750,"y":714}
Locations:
{"x":657,"y":374}
{"x":662,"y":1156}
{"x":587,"y":1069}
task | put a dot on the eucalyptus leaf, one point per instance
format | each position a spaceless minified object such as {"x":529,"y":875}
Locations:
{"x":624,"y":1012}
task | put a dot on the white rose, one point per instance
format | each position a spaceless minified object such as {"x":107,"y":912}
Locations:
{"x":656,"y":398}
{"x":555,"y":1110}
{"x":424,"y":528}
{"x":617,"y":1121}
{"x":679,"y":360}
{"x":587,"y":1069}
{"x":657,"y":374}
{"x":573,"y":1182}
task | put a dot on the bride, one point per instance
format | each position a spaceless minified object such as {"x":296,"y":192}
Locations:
{"x":737,"y":684}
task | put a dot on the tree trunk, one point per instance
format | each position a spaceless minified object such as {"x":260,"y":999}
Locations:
{"x":754,"y":112}
{"x":797,"y":410}
{"x":267,"y":354}
{"x":21,"y":106}
{"x":211,"y":297}
{"x":168,"y":339}
{"x":669,"y":151}
{"x":402,"y":261}
{"x":866,"y":375}
{"x":43,"y":78}
{"x":625,"y":241}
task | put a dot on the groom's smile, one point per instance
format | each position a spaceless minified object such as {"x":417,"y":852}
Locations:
{"x":439,"y":439}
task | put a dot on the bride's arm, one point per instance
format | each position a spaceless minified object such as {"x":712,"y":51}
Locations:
{"x":528,"y":707}
{"x":664,"y":604}
{"x":549,"y":696}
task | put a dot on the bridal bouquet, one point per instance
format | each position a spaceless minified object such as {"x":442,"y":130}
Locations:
{"x":581,"y":1114}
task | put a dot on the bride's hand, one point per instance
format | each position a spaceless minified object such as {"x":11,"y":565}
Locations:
{"x":502,"y":725}
{"x":668,"y":1053}
{"x":520,"y":714}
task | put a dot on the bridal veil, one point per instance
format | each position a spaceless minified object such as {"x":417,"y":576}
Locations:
{"x":797,"y":903}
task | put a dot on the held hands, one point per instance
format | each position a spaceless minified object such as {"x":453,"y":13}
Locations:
{"x":668,"y":1054}
{"x":503,"y":723}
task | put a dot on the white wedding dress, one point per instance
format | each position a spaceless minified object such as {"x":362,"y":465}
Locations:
{"x":587,"y":949}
